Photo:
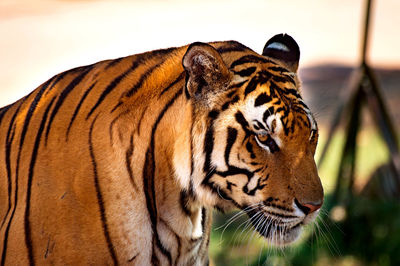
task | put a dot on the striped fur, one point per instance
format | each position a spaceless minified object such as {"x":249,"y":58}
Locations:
{"x":122,"y":161}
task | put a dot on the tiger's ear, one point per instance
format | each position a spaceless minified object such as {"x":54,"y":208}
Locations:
{"x":285,"y":49}
{"x":206,"y":72}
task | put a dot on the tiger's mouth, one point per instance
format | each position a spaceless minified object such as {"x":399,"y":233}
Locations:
{"x":279,"y":230}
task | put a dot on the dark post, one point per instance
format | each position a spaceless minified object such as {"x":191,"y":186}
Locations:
{"x":365,"y":91}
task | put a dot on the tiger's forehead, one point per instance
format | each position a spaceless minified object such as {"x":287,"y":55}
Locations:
{"x":271,"y":97}
{"x":253,"y":62}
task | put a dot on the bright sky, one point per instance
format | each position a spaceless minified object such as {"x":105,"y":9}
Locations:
{"x":40,"y":38}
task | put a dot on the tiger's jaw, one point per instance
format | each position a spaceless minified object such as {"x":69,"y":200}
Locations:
{"x":277,"y":228}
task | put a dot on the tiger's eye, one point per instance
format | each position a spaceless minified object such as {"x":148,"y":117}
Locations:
{"x":267,"y":141}
{"x":262,"y":137}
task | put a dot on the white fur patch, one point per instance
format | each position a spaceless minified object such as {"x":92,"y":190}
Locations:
{"x":278,"y":126}
{"x":181,"y":164}
{"x":253,"y":113}
{"x":256,"y":113}
{"x":278,"y":46}
{"x":312,"y":121}
{"x":297,"y":211}
{"x":197,"y":227}
{"x":253,"y":182}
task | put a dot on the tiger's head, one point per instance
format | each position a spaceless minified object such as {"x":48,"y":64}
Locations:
{"x":253,"y":138}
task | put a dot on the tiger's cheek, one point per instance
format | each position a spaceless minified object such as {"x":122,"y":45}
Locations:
{"x":233,"y":189}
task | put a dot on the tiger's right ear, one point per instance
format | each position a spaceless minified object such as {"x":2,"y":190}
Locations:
{"x":206,"y":72}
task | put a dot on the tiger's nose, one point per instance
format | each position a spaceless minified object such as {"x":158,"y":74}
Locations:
{"x":308,"y":207}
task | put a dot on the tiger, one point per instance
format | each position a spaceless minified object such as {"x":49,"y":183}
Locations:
{"x":123,"y":161}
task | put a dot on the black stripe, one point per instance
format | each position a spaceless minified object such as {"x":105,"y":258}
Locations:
{"x":253,"y":191}
{"x":250,"y":59}
{"x":223,"y":50}
{"x":232,"y":46}
{"x":261,"y":99}
{"x":154,"y":259}
{"x":230,"y":94}
{"x":27,"y":120}
{"x":56,"y":79}
{"x":63,"y":96}
{"x":233,"y":170}
{"x":110,"y":128}
{"x":9,"y":141}
{"x":114,"y":83}
{"x":290,"y":79}
{"x":203,"y":219}
{"x":303,"y":104}
{"x":237,"y":85}
{"x":208,"y":148}
{"x":216,"y":189}
{"x":184,"y":201}
{"x":30,"y":112}
{"x":28,"y":237}
{"x":148,"y":181}
{"x":100,"y":197}
{"x":3,"y":111}
{"x":133,"y":258}
{"x":267,"y":203}
{"x":78,"y":107}
{"x":113,"y":62}
{"x":270,"y":111}
{"x":251,"y":86}
{"x":278,"y":69}
{"x":205,"y":238}
{"x":293,"y":92}
{"x":283,"y":71}
{"x":242,"y":121}
{"x":232,"y":134}
{"x":209,"y":142}
{"x":284,"y":78}
{"x":191,"y":156}
{"x":143,"y":77}
{"x":139,"y":124}
{"x":249,"y":148}
{"x":187,"y":93}
{"x":275,"y":90}
{"x":128,"y":161}
{"x":264,"y":76}
{"x":285,"y":126}
{"x":139,"y":60}
{"x":228,"y":103}
{"x":172,"y":84}
{"x":282,"y":109}
{"x":116,"y":106}
{"x":260,"y":125}
{"x":246,"y":72}
{"x":229,"y":185}
{"x":178,"y":240}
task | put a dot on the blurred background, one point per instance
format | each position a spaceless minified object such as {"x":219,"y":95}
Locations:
{"x":360,"y":220}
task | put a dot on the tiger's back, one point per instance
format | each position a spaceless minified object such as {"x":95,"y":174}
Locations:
{"x":106,"y":164}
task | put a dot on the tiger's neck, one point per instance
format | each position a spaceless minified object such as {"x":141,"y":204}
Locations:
{"x":180,"y":212}
{"x":180,"y":225}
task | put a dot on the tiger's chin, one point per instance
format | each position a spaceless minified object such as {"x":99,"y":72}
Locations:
{"x":277,"y":232}
{"x":280,"y":235}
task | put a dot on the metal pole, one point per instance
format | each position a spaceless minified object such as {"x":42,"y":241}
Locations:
{"x":366,"y":31}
